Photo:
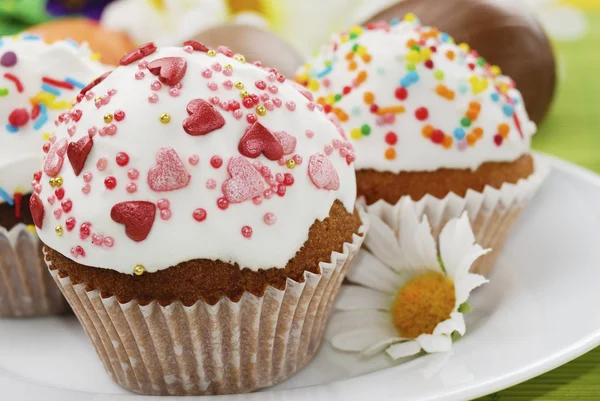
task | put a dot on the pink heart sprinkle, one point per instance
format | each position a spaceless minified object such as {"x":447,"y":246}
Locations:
{"x":287,"y":141}
{"x":322,"y":172}
{"x":169,"y":173}
{"x":55,"y":157}
{"x":245,"y":182}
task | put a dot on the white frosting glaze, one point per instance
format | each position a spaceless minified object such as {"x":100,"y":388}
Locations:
{"x":20,"y":147}
{"x":142,"y":136}
{"x":395,"y":142}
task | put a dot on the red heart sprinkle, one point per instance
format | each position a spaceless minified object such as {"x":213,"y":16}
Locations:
{"x":203,"y":118}
{"x":170,"y":70}
{"x":287,"y":141}
{"x":169,"y":173}
{"x":60,"y":193}
{"x":198,"y":46}
{"x":245,"y":182}
{"x":37,"y":210}
{"x":259,"y":139}
{"x":305,"y":92}
{"x":55,"y":157}
{"x":138,"y":54}
{"x":322,"y":172}
{"x":78,"y":153}
{"x":92,"y":85}
{"x":136,"y":216}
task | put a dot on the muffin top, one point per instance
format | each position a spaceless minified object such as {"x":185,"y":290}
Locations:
{"x":38,"y":82}
{"x":413,"y":100}
{"x":186,"y":153}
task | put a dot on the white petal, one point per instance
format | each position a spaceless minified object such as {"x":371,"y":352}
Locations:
{"x":457,"y":246}
{"x":432,"y":343}
{"x":358,"y":339}
{"x":404,"y":349}
{"x":455,"y":323}
{"x":350,"y":320}
{"x":465,"y":284}
{"x":416,"y":242}
{"x":382,"y":242}
{"x":369,"y":271}
{"x":353,"y":297}
{"x":381,"y":345}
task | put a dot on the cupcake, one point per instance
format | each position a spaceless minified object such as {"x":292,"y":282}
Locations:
{"x":39,"y":82}
{"x":430,"y":120}
{"x":206,"y":220}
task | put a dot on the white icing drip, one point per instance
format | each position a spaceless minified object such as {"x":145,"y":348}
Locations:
{"x":388,"y":51}
{"x":141,"y":135}
{"x":20,"y":152}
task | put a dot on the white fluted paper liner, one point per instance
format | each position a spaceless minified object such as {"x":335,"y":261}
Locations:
{"x":26,"y":288}
{"x":492,"y":213}
{"x":229,"y":347}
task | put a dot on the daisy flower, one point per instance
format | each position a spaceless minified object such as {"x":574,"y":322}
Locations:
{"x":409,"y":297}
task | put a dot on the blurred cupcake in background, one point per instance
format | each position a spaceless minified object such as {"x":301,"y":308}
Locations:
{"x":38,"y":84}
{"x":430,"y":120}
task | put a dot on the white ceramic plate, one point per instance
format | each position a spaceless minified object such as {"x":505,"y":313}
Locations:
{"x":536,"y":314}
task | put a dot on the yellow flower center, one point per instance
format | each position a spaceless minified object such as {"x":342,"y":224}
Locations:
{"x":423,"y":303}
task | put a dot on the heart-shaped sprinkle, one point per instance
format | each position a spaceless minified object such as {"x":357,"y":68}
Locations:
{"x":78,"y":152}
{"x":204,"y":118}
{"x":37,"y":210}
{"x":136,"y":216}
{"x":138,"y":54}
{"x":305,"y":92}
{"x":258,"y":139}
{"x":169,"y":173}
{"x":170,"y":70}
{"x":198,"y":46}
{"x":55,"y":157}
{"x":245,"y":182}
{"x":287,"y":141}
{"x":60,"y":193}
{"x":91,"y":85}
{"x":322,"y":172}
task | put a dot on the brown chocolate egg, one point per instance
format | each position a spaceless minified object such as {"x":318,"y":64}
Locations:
{"x":255,"y":44}
{"x":504,"y":35}
{"x":109,"y":44}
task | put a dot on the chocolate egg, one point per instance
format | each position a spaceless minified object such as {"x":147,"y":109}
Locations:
{"x":110,"y":45}
{"x":505,"y":35}
{"x":255,"y":44}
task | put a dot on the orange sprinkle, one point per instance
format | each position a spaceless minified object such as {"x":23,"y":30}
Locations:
{"x":450,"y":55}
{"x":366,"y":58}
{"x":503,"y":129}
{"x":432,"y":33}
{"x":478,"y":132}
{"x":471,"y":139}
{"x":447,"y":142}
{"x":444,"y":92}
{"x":340,"y":114}
{"x":392,"y":109}
{"x":410,"y":43}
{"x":472,"y":114}
{"x":390,"y":154}
{"x":362,"y":77}
{"x":352,"y":66}
{"x":474,"y":106}
{"x":349,"y":56}
{"x":427,"y":131}
{"x":321,"y":101}
{"x":369,"y":98}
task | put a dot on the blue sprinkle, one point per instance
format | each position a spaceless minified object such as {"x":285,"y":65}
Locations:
{"x":50,"y":89}
{"x":394,"y":21}
{"x":515,"y":101}
{"x":495,"y":96}
{"x":30,"y":37}
{"x":42,"y":119}
{"x":7,"y":198}
{"x":463,"y":88}
{"x":410,"y":78}
{"x":12,"y":129}
{"x":323,"y":73}
{"x":72,"y":43}
{"x":75,"y":83}
{"x":459,"y":133}
{"x":444,"y":37}
{"x":508,"y":110}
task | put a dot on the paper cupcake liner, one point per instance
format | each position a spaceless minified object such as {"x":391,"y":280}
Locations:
{"x":492,"y":212}
{"x":26,"y":288}
{"x":229,"y":347}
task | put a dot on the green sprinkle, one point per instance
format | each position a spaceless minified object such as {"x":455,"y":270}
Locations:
{"x":3,"y":92}
{"x":416,"y":47}
{"x":365,"y":129}
{"x":337,"y":97}
{"x":411,"y":66}
{"x":465,"y":308}
{"x":465,"y":122}
{"x":353,"y":35}
{"x":439,"y":75}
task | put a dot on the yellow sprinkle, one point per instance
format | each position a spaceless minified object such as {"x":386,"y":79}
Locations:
{"x":165,"y":118}
{"x":357,"y":29}
{"x":355,"y":133}
{"x":138,"y":270}
{"x":439,"y":75}
{"x":95,"y":57}
{"x":108,"y":118}
{"x":58,"y":181}
{"x":413,"y":56}
{"x":291,"y":163}
{"x":313,"y":85}
{"x":46,"y":136}
{"x":495,"y":70}
{"x":464,"y":46}
{"x":330,"y":98}
{"x":59,"y":231}
{"x":410,"y":17}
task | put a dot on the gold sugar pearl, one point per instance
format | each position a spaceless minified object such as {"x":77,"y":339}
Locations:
{"x":165,"y":118}
{"x":97,"y":98}
{"x":261,"y":110}
{"x":290,"y":163}
{"x":59,"y":230}
{"x":59,"y":181}
{"x":52,"y":182}
{"x":108,"y":118}
{"x":244,"y":94}
{"x":240,"y":58}
{"x":228,"y":67}
{"x":211,"y":53}
{"x":239,"y":85}
{"x":138,"y":270}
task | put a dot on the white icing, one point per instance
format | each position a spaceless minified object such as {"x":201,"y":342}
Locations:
{"x":181,"y":238}
{"x":20,"y":151}
{"x":387,"y":66}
